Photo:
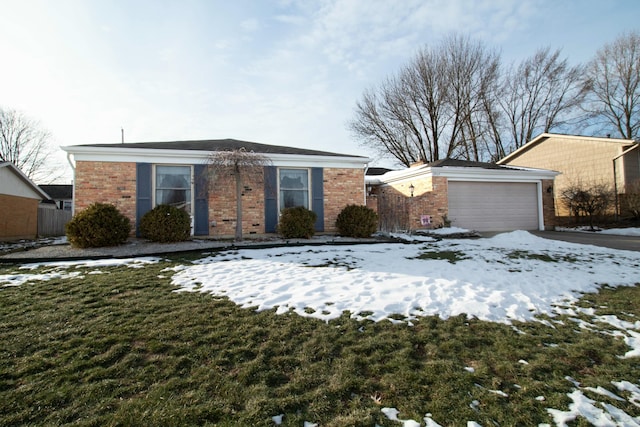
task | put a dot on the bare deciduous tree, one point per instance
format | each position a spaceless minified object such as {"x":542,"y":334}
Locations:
{"x":244,"y":166}
{"x":433,"y":106}
{"x":24,"y":143}
{"x":588,"y":200}
{"x":613,"y":81}
{"x":539,"y":95}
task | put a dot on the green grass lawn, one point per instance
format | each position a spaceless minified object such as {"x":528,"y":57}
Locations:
{"x":121,"y":348}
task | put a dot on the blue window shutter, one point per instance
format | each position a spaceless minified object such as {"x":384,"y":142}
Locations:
{"x":143,"y":192}
{"x":317,"y":197}
{"x":270,"y":199}
{"x":201,"y":209}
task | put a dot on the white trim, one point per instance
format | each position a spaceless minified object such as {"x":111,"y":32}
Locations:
{"x":168,"y":156}
{"x":510,"y":174}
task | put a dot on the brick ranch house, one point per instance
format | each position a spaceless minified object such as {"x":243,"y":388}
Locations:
{"x":472,"y":195}
{"x":19,"y":199}
{"x":582,"y":161}
{"x":135,"y":177}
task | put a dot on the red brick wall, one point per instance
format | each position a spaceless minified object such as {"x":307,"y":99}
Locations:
{"x":115,"y":183}
{"x":429,"y":198}
{"x":548,"y":204}
{"x":342,"y":187}
{"x":106,"y":182}
{"x":18,"y":217}
{"x":222,"y":205}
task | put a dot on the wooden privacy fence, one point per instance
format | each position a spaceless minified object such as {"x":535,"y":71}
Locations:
{"x":51,"y":222}
{"x":393,"y":212}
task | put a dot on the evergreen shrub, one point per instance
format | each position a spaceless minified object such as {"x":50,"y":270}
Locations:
{"x":99,"y":225}
{"x":166,"y":224}
{"x":357,"y":221}
{"x":297,"y":223}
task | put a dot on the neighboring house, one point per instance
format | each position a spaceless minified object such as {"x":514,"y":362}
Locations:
{"x":61,"y":195}
{"x":472,"y":195}
{"x":138,"y":176}
{"x":19,"y":198}
{"x":581,"y":160}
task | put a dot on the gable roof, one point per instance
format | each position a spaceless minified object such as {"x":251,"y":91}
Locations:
{"x":32,"y":188}
{"x":544,"y":136}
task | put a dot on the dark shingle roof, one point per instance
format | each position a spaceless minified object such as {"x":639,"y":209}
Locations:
{"x":58,"y":192}
{"x":221,"y":145}
{"x":375,"y":171}
{"x":464,"y":164}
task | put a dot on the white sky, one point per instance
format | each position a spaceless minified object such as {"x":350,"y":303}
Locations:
{"x":282,"y":72}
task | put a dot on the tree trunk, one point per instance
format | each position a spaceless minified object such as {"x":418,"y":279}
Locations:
{"x":238,"y":177}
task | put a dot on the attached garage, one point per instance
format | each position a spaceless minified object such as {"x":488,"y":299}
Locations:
{"x":494,"y":206}
{"x":472,"y":195}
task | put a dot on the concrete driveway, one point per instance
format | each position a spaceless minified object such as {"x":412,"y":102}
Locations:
{"x":629,"y":243}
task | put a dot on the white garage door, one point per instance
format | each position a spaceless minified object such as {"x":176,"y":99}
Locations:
{"x":491,"y":206}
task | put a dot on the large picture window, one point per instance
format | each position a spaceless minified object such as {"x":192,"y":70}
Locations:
{"x":173,"y":186}
{"x":294,"y":188}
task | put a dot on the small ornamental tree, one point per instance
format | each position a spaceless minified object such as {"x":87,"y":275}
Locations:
{"x":297,"y":222}
{"x":357,"y":221}
{"x":243,"y":165}
{"x":166,"y":224}
{"x":98,"y":225}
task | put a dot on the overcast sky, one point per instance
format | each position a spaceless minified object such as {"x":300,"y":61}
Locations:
{"x":283,"y":72}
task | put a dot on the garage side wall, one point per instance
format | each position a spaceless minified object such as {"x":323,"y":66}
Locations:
{"x":548,"y":204}
{"x":399,"y":211}
{"x":18,"y":217}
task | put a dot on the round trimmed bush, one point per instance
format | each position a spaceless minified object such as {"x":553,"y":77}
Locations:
{"x":166,"y":224}
{"x":297,"y":223}
{"x":357,"y":221}
{"x":99,"y":225}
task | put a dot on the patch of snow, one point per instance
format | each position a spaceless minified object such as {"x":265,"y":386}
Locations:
{"x":499,"y":279}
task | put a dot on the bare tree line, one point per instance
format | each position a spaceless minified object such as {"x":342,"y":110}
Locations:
{"x":456,"y":99}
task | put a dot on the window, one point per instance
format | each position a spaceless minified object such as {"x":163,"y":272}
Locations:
{"x":173,"y":186}
{"x":294,"y":188}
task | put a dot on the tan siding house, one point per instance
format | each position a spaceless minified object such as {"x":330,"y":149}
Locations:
{"x":581,"y":160}
{"x":136,"y":177}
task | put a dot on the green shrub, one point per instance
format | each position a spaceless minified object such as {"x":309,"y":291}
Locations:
{"x":297,"y":222}
{"x":165,"y":224}
{"x":99,"y":225}
{"x":357,"y":221}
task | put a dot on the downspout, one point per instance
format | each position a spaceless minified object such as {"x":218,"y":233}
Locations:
{"x":73,"y":186}
{"x":366,"y":168}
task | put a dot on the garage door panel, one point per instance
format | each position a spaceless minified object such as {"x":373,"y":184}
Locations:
{"x":488,"y":206}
